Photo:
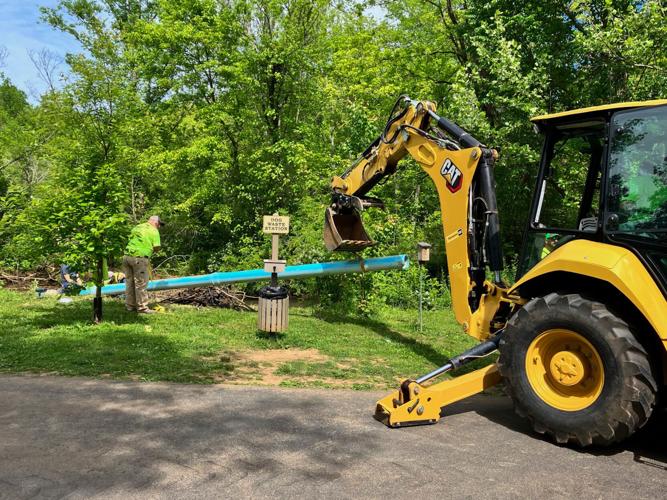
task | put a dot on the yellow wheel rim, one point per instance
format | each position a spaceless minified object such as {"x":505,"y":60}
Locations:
{"x":564,"y":370}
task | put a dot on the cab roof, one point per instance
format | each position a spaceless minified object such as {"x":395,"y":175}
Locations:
{"x":576,"y":114}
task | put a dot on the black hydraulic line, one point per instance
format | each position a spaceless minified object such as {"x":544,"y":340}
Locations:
{"x":457,"y":133}
{"x":394,"y":118}
{"x":488,"y":189}
{"x":479,"y":351}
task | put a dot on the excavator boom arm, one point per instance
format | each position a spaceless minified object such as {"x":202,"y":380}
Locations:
{"x":461,"y":168}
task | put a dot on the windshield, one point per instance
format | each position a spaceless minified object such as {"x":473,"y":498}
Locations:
{"x":637,"y":196}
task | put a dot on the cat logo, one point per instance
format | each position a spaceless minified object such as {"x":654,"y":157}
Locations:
{"x":452,"y":175}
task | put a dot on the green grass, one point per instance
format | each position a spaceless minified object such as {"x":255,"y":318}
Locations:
{"x":191,"y":345}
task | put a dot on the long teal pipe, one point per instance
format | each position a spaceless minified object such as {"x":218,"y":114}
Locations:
{"x":399,"y":262}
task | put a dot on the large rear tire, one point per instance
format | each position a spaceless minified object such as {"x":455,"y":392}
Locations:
{"x":576,"y":371}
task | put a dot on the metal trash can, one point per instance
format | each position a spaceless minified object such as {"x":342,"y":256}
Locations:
{"x":273,"y":309}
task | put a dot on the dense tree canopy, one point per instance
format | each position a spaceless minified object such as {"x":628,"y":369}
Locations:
{"x":215,"y":112}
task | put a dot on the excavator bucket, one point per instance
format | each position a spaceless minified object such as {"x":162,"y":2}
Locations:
{"x":345,"y":231}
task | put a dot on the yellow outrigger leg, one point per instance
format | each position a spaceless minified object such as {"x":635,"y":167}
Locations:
{"x":414,"y":404}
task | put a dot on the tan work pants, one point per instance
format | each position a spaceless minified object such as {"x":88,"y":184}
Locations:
{"x":136,"y":282}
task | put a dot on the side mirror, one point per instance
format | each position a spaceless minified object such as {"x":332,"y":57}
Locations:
{"x":612,"y":222}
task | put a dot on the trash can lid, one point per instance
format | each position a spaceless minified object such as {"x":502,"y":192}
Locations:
{"x":273,"y":292}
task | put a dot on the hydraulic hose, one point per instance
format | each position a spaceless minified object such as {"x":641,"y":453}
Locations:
{"x":457,"y":133}
{"x":488,"y":188}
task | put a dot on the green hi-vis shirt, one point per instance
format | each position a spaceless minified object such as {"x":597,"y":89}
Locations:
{"x":142,"y":240}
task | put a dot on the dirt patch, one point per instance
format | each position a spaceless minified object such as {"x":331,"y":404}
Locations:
{"x":261,"y":367}
{"x":275,"y":356}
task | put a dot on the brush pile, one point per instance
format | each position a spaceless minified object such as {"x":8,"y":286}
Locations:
{"x":209,"y":297}
{"x":18,"y":282}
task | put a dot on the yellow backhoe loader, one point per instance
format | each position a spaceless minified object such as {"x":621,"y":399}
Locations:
{"x":582,"y":334}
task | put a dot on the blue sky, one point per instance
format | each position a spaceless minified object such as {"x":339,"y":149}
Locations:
{"x":22,"y":30}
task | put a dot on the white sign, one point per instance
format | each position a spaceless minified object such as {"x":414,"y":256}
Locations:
{"x":276,"y":224}
{"x":274,"y":266}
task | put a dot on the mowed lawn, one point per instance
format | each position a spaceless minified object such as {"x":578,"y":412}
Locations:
{"x":209,"y":345}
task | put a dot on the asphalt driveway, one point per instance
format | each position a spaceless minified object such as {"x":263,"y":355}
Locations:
{"x":80,"y":438}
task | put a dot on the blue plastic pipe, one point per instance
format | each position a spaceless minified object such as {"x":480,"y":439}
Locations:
{"x":399,"y":262}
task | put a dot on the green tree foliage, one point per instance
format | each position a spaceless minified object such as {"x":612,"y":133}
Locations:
{"x":213,"y":113}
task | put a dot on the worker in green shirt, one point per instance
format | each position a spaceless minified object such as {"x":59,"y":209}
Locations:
{"x":550,"y":240}
{"x":144,"y":240}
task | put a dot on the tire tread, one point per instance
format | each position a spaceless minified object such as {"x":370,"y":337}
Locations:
{"x":639,"y":385}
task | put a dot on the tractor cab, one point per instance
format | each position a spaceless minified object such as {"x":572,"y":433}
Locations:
{"x":602,"y":177}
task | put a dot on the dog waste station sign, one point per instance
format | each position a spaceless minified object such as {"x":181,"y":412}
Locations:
{"x":273,"y":305}
{"x":276,"y":224}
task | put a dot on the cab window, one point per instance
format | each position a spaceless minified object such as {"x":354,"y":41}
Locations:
{"x":571,"y":184}
{"x":568,"y":191}
{"x":637,"y":193}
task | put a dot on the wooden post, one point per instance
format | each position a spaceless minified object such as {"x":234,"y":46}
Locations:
{"x":423,"y":255}
{"x":274,"y":246}
{"x":97,"y":301}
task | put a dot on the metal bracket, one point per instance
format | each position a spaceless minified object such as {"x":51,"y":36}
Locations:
{"x":432,"y":398}
{"x":274,"y":266}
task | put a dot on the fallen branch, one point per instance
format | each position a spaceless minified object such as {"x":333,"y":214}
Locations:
{"x":210,"y":297}
{"x":20,"y":279}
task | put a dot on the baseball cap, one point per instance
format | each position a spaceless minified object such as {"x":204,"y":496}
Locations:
{"x":156,"y":218}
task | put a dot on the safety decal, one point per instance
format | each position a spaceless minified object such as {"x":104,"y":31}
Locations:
{"x":452,"y":175}
{"x":454,"y":235}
